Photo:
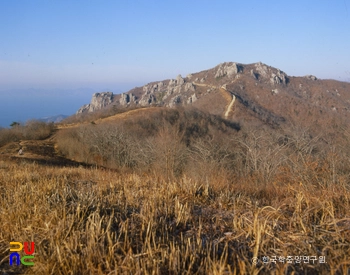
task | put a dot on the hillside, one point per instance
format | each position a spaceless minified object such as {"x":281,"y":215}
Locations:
{"x":262,"y":94}
{"x":246,"y":172}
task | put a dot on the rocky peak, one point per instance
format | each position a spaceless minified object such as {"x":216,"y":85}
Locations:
{"x":179,"y":80}
{"x":227,"y":69}
{"x":98,"y":101}
{"x":262,"y":69}
{"x":176,"y":82}
{"x":275,"y":76}
{"x":254,"y":91}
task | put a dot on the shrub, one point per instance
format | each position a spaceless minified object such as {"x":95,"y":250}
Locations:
{"x":33,"y":129}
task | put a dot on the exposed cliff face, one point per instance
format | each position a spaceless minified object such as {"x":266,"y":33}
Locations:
{"x":98,"y":101}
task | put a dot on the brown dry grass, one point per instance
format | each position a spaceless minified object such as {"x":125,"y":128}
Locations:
{"x":32,"y":130}
{"x":97,"y":221}
{"x":139,"y":112}
{"x":201,"y":197}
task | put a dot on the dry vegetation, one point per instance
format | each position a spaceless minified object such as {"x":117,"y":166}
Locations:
{"x":181,"y":192}
{"x":33,"y":129}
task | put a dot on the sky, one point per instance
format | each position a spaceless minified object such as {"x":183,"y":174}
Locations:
{"x":61,"y":50}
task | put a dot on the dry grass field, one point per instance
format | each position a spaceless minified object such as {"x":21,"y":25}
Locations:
{"x":97,"y":221}
{"x":192,"y":203}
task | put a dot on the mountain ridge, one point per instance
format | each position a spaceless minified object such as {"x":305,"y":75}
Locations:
{"x":258,"y":92}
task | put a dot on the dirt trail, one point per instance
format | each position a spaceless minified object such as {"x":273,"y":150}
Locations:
{"x":232,"y":99}
{"x":45,"y":151}
{"x":110,"y":118}
{"x":229,"y":107}
{"x":126,"y":114}
{"x":204,"y":85}
{"x":39,"y":151}
{"x":226,"y":94}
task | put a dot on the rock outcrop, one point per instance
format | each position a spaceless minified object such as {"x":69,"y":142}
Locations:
{"x":311,"y":77}
{"x":278,"y":78}
{"x":275,"y":76}
{"x":157,"y":93}
{"x":262,"y":69}
{"x":227,"y":69}
{"x":241,"y":92}
{"x":179,"y":80}
{"x":187,"y":90}
{"x":189,"y":87}
{"x":253,"y":74}
{"x":192,"y":99}
{"x":124,"y":99}
{"x":98,"y":101}
{"x":175,"y":101}
{"x":147,"y":99}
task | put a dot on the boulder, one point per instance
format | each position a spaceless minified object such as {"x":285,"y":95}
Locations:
{"x":311,"y":77}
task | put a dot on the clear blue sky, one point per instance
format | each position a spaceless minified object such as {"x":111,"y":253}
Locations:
{"x":121,"y":44}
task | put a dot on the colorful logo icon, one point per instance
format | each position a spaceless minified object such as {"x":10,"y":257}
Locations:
{"x":27,"y":251}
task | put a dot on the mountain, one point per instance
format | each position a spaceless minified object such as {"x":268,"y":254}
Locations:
{"x":254,"y":93}
{"x":54,"y":119}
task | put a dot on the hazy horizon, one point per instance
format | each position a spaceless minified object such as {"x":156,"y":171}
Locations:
{"x":21,"y":105}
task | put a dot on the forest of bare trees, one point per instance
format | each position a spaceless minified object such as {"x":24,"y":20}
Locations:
{"x":172,"y":143}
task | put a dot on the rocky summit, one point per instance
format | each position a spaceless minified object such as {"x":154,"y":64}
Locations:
{"x":241,"y":92}
{"x":98,"y":101}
